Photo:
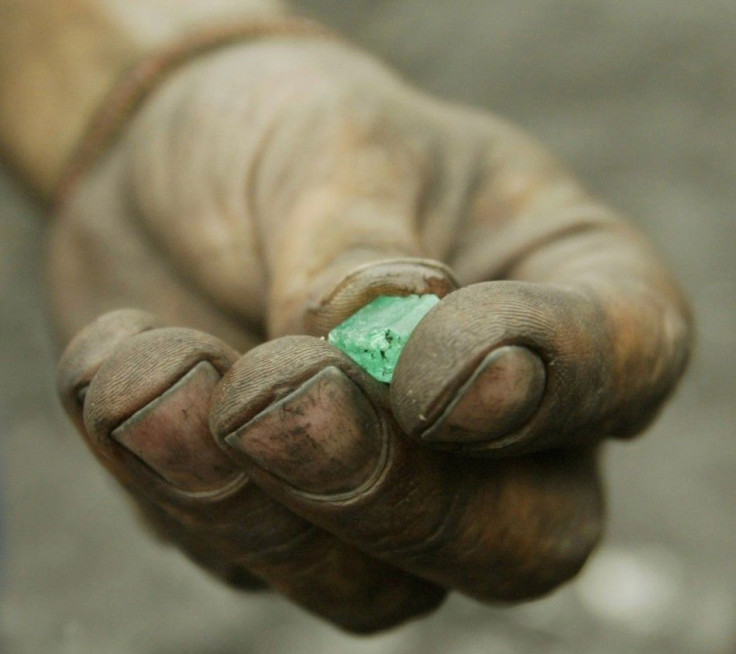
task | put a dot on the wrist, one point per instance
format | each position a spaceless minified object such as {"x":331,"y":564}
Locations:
{"x":142,"y":79}
{"x":60,"y":60}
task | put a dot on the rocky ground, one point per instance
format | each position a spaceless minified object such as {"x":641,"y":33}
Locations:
{"x":639,"y":96}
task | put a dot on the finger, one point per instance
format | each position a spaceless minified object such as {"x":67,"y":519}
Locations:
{"x":145,"y":417}
{"x":511,"y":367}
{"x":78,"y":366}
{"x":588,"y":346}
{"x":326,"y":446}
{"x":518,"y":366}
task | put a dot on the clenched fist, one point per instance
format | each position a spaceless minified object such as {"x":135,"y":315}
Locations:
{"x":261,"y":195}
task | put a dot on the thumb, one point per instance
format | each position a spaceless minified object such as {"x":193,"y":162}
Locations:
{"x":359,"y":204}
{"x":338,"y":254}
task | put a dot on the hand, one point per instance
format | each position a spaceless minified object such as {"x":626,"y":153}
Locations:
{"x":274,"y":188}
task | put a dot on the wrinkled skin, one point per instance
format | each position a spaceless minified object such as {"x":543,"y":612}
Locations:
{"x":261,"y":195}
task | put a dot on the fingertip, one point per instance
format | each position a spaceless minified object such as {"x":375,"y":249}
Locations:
{"x":146,"y":414}
{"x":88,"y":350}
{"x":482,"y":368}
{"x":145,"y":367}
{"x":272,"y":370}
{"x":323,"y":438}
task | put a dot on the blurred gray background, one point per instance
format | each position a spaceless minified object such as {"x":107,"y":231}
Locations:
{"x":639,"y":96}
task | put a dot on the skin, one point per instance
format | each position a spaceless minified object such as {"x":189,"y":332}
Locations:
{"x":59,"y":60}
{"x":262,"y":194}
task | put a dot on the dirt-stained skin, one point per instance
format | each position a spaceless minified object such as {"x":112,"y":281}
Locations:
{"x":262,"y":194}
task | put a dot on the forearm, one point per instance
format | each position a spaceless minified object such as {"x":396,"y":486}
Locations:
{"x":59,"y":59}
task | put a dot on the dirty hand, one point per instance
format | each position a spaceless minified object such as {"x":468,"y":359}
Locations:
{"x":262,"y":194}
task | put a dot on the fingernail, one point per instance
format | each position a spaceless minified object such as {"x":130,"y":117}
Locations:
{"x":171,"y":435}
{"x":324,"y":438}
{"x":500,"y":396}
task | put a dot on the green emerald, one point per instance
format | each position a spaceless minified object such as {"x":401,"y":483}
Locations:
{"x":375,"y":336}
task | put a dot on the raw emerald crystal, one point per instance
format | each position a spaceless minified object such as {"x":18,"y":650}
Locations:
{"x":375,"y":336}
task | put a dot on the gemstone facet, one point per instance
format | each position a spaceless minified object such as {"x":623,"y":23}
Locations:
{"x":375,"y":335}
